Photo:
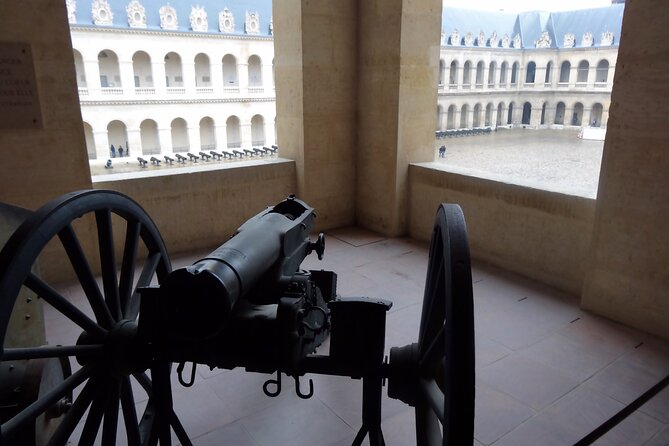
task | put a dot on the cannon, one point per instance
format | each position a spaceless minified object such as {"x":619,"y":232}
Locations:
{"x":247,"y":304}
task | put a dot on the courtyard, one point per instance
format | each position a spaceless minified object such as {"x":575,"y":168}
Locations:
{"x":555,"y":160}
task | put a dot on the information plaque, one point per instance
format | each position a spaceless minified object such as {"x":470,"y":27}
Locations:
{"x":19,"y":101}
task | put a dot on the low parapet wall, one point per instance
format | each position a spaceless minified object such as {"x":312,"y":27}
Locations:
{"x":540,"y":234}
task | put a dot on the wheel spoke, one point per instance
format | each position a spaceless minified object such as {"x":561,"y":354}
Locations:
{"x":110,"y":425}
{"x":103,"y":219}
{"x":434,"y":353}
{"x":148,"y":427}
{"x":129,"y":412}
{"x":13,"y":354}
{"x":428,"y":429}
{"x":74,"y":414}
{"x":179,"y":430}
{"x":83,"y":271}
{"x":67,"y":308}
{"x":129,"y":262}
{"x":433,"y":395}
{"x":31,"y":412}
{"x":162,"y":394}
{"x":145,"y":277}
{"x":94,"y":419}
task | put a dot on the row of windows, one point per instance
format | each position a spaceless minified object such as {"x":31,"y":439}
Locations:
{"x":110,"y":73}
{"x":179,"y":138}
{"x":582,"y":73}
{"x":497,"y":115}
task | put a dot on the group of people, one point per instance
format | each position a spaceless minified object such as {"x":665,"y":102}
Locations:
{"x":121,"y":151}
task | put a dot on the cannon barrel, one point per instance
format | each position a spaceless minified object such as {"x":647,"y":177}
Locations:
{"x":256,"y":263}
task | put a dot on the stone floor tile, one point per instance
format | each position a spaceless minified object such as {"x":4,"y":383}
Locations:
{"x":232,"y":434}
{"x":497,"y":414}
{"x":635,"y":429}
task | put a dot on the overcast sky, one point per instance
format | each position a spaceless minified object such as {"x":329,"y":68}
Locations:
{"x":527,"y":5}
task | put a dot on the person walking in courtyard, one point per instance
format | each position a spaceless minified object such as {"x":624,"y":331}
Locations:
{"x":120,"y":151}
{"x":112,"y":150}
{"x":442,"y":151}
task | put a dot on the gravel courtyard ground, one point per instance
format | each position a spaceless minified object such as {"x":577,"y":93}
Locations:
{"x":555,"y":160}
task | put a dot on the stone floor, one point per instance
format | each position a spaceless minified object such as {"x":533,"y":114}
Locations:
{"x":555,"y":160}
{"x":547,"y":372}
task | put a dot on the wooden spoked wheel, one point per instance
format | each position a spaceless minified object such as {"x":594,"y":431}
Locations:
{"x":104,"y":351}
{"x":446,"y":387}
{"x":436,"y":374}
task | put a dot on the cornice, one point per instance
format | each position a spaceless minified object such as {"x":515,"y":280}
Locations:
{"x":175,"y":101}
{"x":163,"y":33}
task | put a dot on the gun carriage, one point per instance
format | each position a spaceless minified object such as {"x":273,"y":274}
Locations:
{"x":247,"y":304}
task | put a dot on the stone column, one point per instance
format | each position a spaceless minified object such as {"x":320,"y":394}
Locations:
{"x":92,"y":70}
{"x":216,"y":73}
{"x":165,"y":138}
{"x":243,"y":73}
{"x":158,"y":73}
{"x":135,"y":142}
{"x":188,"y":73}
{"x":127,"y":77}
{"x":102,"y":148}
{"x":221,"y":137}
{"x":246,"y":135}
{"x":194,"y":139}
{"x":267,"y":82}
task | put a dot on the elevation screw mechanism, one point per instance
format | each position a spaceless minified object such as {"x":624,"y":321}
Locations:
{"x":318,"y":246}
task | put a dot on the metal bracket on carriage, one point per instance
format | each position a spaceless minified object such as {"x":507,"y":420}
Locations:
{"x":180,"y":371}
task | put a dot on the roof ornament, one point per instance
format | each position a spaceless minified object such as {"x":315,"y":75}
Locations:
{"x":517,"y":43}
{"x":168,"y":18}
{"x":252,"y":24}
{"x":587,"y":39}
{"x":71,"y":11}
{"x":505,"y":40}
{"x":136,"y":14}
{"x":494,"y":41}
{"x":271,"y":26}
{"x":544,"y":41}
{"x":226,"y":21}
{"x":455,"y":37}
{"x":480,"y":40}
{"x":198,"y":19}
{"x":569,"y":40}
{"x":469,"y":39}
{"x":102,"y":14}
{"x":607,"y":38}
{"x":443,"y":38}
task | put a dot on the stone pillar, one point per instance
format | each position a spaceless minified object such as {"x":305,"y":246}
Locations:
{"x":246,"y":135}
{"x":165,"y":138}
{"x":221,"y":137}
{"x":627,"y":278}
{"x":92,"y":70}
{"x":267,"y":82}
{"x":243,"y":73}
{"x":188,"y":73}
{"x":135,"y":142}
{"x":158,"y":73}
{"x":535,"y":117}
{"x":216,"y":73}
{"x":102,"y":148}
{"x":194,"y":139}
{"x":127,"y":77}
{"x":269,"y":134}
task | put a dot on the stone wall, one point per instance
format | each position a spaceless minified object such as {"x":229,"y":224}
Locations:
{"x":539,"y":234}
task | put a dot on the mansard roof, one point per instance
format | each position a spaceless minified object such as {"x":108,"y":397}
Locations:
{"x":531,"y":26}
{"x":183,"y":9}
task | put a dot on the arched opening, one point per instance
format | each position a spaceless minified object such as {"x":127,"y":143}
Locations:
{"x":509,"y":116}
{"x":577,"y":115}
{"x":500,"y":114}
{"x":173,"y":72}
{"x":255,"y":71}
{"x":180,"y":142}
{"x":531,"y":73}
{"x":257,"y":131}
{"x":464,"y":117}
{"x":202,"y":71}
{"x":582,"y":72}
{"x":559,"y":113}
{"x":117,"y":135}
{"x":233,"y":132}
{"x":596,"y":115}
{"x":549,"y":69}
{"x":565,"y":69}
{"x":80,"y":70}
{"x":148,"y":132}
{"x":504,"y":68}
{"x":450,"y":119}
{"x":90,"y":141}
{"x":514,"y":73}
{"x":230,"y":79}
{"x":527,"y":113}
{"x":141,"y":69}
{"x":479,"y":74}
{"x":491,"y":74}
{"x":543,"y":113}
{"x":488,"y":114}
{"x":442,"y":71}
{"x":110,"y":76}
{"x":453,"y":74}
{"x":477,"y":115}
{"x":207,"y":134}
{"x":467,"y":75}
{"x":602,"y":74}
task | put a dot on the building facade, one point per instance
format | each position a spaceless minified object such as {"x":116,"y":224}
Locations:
{"x":534,"y":69}
{"x":162,"y":79}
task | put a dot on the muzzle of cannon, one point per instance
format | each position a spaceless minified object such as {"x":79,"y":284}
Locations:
{"x":246,"y":304}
